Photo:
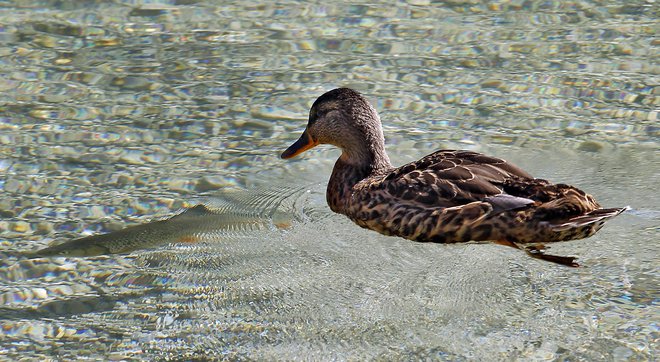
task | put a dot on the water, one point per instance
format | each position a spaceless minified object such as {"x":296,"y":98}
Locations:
{"x":117,"y":113}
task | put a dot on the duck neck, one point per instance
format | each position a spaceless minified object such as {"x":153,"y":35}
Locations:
{"x":351,"y":168}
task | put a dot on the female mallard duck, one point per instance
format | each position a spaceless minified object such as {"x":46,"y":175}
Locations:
{"x":446,"y":197}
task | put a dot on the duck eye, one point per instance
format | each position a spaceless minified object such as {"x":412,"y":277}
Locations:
{"x":312,"y":115}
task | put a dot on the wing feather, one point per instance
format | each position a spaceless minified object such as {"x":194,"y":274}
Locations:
{"x":449,"y":178}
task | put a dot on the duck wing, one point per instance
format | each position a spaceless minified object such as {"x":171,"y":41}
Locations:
{"x":449,"y":178}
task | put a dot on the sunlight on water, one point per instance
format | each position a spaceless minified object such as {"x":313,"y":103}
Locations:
{"x":116,"y":114}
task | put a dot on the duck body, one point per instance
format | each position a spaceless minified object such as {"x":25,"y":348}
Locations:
{"x":459,"y":196}
{"x":448,"y":196}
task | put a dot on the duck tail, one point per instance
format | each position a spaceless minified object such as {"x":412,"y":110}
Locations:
{"x":593,"y":219}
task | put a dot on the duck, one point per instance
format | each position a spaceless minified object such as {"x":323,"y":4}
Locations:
{"x":448,"y":196}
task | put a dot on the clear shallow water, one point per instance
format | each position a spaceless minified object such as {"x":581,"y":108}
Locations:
{"x":119,"y":113}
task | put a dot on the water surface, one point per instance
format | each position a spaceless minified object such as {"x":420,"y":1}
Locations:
{"x":117,"y":113}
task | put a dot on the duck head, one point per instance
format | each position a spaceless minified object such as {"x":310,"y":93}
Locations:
{"x":344,"y":118}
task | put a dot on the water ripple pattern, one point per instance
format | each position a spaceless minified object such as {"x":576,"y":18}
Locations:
{"x":117,"y":114}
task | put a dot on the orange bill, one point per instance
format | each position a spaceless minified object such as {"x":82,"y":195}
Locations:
{"x":303,"y":143}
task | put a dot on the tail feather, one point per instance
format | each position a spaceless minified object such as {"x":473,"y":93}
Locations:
{"x":598,"y":217}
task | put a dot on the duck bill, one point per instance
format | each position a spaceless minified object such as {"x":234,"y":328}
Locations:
{"x":303,"y":143}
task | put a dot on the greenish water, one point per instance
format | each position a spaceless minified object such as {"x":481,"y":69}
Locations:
{"x":116,"y":113}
